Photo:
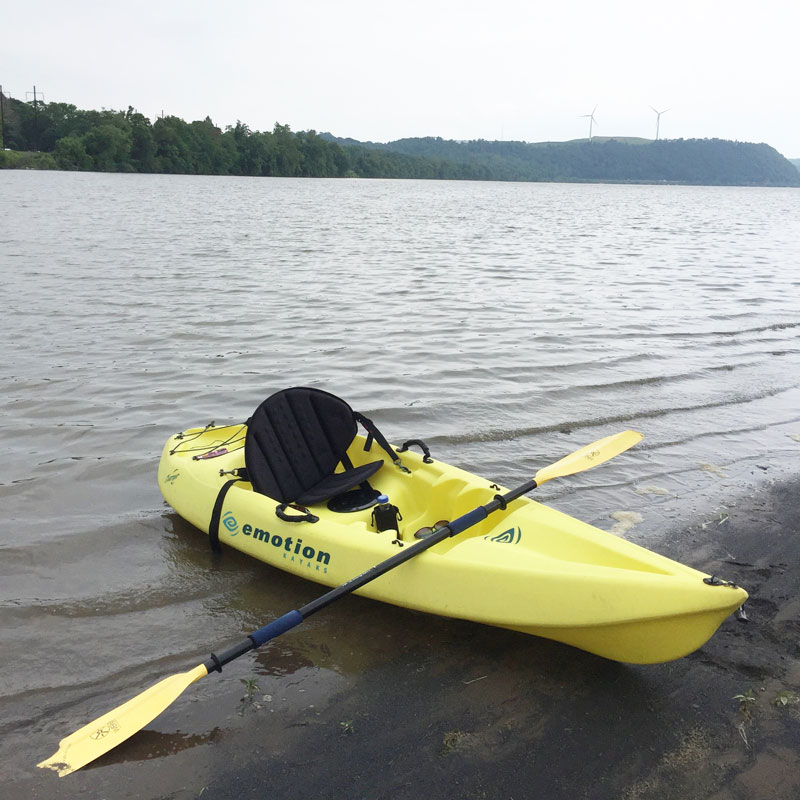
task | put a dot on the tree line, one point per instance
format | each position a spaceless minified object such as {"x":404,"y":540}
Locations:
{"x":61,"y":136}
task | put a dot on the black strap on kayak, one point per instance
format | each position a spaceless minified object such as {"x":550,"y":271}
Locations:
{"x":373,"y":433}
{"x":213,"y":525}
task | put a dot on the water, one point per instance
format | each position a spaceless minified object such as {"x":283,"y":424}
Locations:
{"x":505,"y":324}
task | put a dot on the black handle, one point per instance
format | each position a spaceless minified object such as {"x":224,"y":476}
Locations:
{"x":306,"y":516}
{"x":422,"y":446}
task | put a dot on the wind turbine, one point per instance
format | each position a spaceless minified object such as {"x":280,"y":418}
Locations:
{"x":658,"y":118}
{"x":592,"y":121}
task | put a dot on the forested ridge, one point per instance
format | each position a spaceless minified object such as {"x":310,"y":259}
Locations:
{"x":628,"y":160}
{"x":61,"y":136}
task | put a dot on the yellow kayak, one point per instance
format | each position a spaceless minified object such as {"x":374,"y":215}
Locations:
{"x":298,"y":488}
{"x":526,"y":567}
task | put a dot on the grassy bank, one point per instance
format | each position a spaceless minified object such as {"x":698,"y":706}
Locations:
{"x":22,"y":159}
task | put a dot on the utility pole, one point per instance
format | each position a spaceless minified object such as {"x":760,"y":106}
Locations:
{"x":2,"y":118}
{"x":35,"y":117}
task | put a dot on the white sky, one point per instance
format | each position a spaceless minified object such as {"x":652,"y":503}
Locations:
{"x":500,"y":69}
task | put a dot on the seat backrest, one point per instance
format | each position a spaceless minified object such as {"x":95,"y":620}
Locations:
{"x":295,"y":438}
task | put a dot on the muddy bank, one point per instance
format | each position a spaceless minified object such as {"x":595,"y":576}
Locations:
{"x":440,"y":708}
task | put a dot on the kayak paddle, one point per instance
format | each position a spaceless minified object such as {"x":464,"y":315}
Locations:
{"x":106,"y":732}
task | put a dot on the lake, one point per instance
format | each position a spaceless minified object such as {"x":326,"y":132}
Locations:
{"x":505,"y":324}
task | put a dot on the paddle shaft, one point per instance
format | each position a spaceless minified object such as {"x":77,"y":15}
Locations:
{"x":292,"y":618}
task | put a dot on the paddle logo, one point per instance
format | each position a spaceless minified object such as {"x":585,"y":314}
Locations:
{"x":511,"y":536}
{"x":229,"y":521}
{"x":103,"y":731}
{"x":173,"y":476}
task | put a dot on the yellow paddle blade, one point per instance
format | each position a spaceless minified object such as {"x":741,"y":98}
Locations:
{"x":589,"y":456}
{"x":106,"y":732}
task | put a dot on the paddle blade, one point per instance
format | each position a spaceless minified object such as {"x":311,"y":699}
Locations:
{"x":590,"y":456}
{"x":106,"y":732}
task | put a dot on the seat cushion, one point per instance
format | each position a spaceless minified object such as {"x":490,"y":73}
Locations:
{"x":295,"y":440}
{"x":338,"y":482}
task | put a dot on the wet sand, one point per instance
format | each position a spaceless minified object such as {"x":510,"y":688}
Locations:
{"x":442,"y":708}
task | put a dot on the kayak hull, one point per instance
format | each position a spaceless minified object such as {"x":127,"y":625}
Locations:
{"x":528,"y":568}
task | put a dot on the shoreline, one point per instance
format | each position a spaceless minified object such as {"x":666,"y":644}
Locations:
{"x":39,"y":162}
{"x":444,"y":708}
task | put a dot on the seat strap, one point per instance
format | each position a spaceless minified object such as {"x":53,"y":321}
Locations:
{"x":373,"y":433}
{"x":213,"y":525}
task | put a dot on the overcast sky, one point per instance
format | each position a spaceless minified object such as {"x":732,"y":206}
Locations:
{"x":372,"y":70}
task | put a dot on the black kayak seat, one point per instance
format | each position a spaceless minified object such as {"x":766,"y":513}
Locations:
{"x":295,"y":441}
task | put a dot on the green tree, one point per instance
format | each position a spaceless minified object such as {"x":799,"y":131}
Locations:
{"x":143,"y":146}
{"x":70,"y":153}
{"x":110,"y":148}
{"x":213,"y":154}
{"x":58,"y":120}
{"x":252,"y":150}
{"x":173,"y":146}
{"x":321,"y":158}
{"x":288,"y":156}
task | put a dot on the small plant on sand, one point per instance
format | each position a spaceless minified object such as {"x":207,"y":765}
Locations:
{"x":786,"y":697}
{"x":746,"y":703}
{"x":347,"y":726}
{"x":250,"y":687}
{"x":250,"y":691}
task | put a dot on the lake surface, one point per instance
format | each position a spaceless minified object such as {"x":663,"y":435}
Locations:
{"x":505,"y":324}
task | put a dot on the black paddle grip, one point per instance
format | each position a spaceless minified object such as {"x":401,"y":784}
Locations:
{"x":216,"y":662}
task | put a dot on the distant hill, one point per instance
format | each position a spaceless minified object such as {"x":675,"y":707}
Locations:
{"x":628,"y":160}
{"x":796,"y":162}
